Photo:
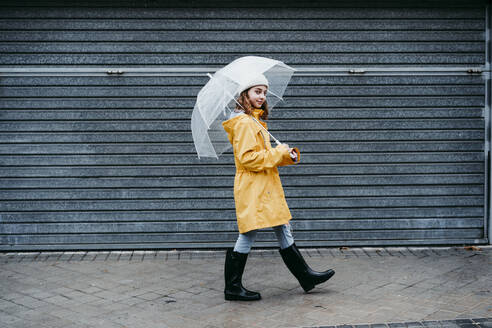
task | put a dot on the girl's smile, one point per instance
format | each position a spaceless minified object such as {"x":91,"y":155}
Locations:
{"x":257,"y":95}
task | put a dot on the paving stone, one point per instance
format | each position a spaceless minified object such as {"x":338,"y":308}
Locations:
{"x":431,"y":324}
{"x":8,"y":319}
{"x":397,"y":325}
{"x":125,"y":255}
{"x":28,"y":256}
{"x":77,"y":256}
{"x":91,"y":289}
{"x":89,"y":256}
{"x":150,"y":255}
{"x":43,"y":319}
{"x":109,"y":295}
{"x":101,"y":256}
{"x":29,"y":302}
{"x":344,"y":326}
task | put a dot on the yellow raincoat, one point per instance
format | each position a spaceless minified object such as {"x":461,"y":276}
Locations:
{"x":258,"y":193}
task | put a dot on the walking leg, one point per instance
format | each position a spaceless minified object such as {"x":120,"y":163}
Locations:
{"x":296,"y":264}
{"x":234,"y":267}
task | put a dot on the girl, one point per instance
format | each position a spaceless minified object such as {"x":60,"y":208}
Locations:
{"x":258,"y":194}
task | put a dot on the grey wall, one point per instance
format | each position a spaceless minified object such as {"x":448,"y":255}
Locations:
{"x":392,"y":156}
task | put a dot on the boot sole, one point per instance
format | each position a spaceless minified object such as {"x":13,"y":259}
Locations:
{"x":307,"y":288}
{"x":230,"y":297}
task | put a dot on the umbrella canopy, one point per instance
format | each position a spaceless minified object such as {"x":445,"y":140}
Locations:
{"x":217,"y":99}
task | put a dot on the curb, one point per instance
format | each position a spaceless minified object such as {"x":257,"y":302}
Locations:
{"x":165,"y":255}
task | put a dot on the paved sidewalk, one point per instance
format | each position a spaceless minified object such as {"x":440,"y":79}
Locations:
{"x":387,"y":287}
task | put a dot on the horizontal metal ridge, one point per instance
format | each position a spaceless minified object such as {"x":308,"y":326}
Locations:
{"x":200,"y":71}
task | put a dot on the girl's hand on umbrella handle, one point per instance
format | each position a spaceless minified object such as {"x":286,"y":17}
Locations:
{"x":293,"y":154}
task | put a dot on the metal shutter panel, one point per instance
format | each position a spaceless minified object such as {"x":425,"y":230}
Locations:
{"x":97,"y":161}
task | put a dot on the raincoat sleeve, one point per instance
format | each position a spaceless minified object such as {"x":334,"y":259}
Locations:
{"x":247,"y":153}
{"x":289,"y":160}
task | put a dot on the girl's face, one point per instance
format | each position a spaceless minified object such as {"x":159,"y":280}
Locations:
{"x":257,"y":95}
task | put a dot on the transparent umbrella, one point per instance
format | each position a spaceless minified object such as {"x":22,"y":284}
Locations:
{"x":217,"y":99}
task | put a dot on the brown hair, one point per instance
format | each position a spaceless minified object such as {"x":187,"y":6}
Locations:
{"x":246,"y":105}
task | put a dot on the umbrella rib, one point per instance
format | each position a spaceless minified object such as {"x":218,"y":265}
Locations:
{"x":275,"y":95}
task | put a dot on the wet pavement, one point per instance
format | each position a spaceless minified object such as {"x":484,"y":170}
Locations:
{"x":383,"y":287}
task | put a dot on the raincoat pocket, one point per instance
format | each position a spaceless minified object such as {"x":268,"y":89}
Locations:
{"x":271,"y":197}
{"x":265,"y":200}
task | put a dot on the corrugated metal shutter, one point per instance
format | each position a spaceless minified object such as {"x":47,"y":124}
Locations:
{"x":92,"y":160}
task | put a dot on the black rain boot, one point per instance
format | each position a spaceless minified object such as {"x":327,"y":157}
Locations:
{"x":233,"y":273}
{"x":307,"y":277}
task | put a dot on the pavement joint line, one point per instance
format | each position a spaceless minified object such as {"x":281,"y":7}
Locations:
{"x":70,"y":258}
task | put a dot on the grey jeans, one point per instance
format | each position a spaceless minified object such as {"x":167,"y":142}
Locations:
{"x":246,"y":240}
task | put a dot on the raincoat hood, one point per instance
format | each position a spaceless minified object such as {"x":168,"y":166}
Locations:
{"x":230,"y":124}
